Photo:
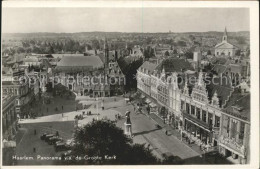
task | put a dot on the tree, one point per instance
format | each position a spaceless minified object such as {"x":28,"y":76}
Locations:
{"x":103,"y":138}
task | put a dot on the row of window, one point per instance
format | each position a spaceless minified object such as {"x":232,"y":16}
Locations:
{"x":200,"y":115}
{"x":231,"y":129}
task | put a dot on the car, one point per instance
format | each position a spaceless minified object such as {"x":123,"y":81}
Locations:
{"x":43,"y":136}
{"x":61,"y":147}
{"x":47,"y":137}
{"x":54,"y":139}
{"x":57,"y":142}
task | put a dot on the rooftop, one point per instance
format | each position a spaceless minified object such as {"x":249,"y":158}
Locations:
{"x":174,"y":65}
{"x":149,"y":66}
{"x":79,"y":62}
{"x":239,"y":106}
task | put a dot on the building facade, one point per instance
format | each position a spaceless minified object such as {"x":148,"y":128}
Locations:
{"x":225,"y":48}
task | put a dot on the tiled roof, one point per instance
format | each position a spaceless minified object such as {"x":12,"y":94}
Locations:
{"x":222,"y":92}
{"x":149,"y":66}
{"x":220,"y":68}
{"x":220,"y":60}
{"x":80,"y":61}
{"x":235,"y":68}
{"x":174,"y":65}
{"x":241,"y":102}
{"x":221,"y":85}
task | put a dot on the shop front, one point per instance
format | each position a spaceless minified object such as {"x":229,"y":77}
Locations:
{"x":232,"y":150}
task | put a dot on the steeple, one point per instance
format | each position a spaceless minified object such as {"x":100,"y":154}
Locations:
{"x":225,"y":36}
{"x":106,"y":52}
{"x":200,"y":80}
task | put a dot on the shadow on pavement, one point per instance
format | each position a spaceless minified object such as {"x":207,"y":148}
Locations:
{"x":145,"y":132}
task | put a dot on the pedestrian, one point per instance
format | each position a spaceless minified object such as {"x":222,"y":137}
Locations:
{"x":62,"y":107}
{"x":166,"y":133}
{"x":34,"y":131}
{"x":62,"y":115}
{"x":34,"y":149}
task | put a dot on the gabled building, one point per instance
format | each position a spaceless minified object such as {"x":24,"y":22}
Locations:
{"x":234,"y":136}
{"x":225,"y":48}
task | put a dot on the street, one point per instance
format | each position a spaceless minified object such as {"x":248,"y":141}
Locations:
{"x":144,"y":131}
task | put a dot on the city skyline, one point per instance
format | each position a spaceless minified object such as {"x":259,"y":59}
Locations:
{"x":130,"y":20}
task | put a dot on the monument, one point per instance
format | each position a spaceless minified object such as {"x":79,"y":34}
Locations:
{"x":128,"y":124}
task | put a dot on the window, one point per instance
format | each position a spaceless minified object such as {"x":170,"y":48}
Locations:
{"x":198,"y":113}
{"x":192,"y":110}
{"x":187,"y":108}
{"x":204,"y":115}
{"x":210,"y":120}
{"x":242,"y":130}
{"x":233,"y":130}
{"x":228,"y":124}
{"x":182,"y":105}
{"x":217,"y":121}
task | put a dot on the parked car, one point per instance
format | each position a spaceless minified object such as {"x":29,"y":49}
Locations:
{"x":47,"y":137}
{"x":54,"y":139}
{"x":43,"y":136}
{"x":61,"y":147}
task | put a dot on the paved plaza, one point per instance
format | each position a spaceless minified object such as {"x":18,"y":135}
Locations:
{"x":144,"y":130}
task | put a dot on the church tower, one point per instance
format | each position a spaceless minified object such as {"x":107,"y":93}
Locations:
{"x":225,"y":36}
{"x":106,"y":52}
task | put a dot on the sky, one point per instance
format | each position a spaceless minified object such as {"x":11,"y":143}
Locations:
{"x":70,"y":20}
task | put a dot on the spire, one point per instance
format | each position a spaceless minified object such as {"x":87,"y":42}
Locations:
{"x":225,"y":36}
{"x":163,"y":71}
{"x":200,"y":80}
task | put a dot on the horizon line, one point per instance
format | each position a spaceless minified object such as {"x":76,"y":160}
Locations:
{"x":120,"y":32}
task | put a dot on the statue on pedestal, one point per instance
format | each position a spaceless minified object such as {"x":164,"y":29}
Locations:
{"x":127,"y":115}
{"x":128,"y":124}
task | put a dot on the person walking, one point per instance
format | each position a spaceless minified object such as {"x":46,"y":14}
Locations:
{"x":34,"y":149}
{"x":34,"y":131}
